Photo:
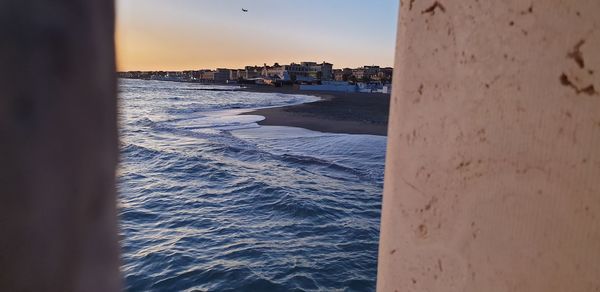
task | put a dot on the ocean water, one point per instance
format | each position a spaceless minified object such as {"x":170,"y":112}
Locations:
{"x":210,"y":201}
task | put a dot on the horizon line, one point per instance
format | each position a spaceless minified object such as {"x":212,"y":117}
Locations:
{"x":215,"y":68}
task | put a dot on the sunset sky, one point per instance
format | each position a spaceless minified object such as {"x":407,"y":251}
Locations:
{"x":199,"y":34}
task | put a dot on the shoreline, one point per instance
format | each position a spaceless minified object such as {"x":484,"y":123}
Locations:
{"x":336,"y":112}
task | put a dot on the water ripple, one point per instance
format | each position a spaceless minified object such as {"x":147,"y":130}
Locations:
{"x":207,"y":209}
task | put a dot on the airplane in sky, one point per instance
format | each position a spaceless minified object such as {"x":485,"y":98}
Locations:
{"x":244,"y":10}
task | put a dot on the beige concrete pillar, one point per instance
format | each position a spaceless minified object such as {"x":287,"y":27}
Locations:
{"x":58,"y":146}
{"x":493,"y":172}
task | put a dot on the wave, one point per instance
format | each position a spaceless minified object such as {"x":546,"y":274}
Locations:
{"x":206,"y":208}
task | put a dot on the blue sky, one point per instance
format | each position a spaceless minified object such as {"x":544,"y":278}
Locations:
{"x":193,"y":34}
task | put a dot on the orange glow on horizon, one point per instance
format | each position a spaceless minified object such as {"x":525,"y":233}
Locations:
{"x":159,"y":35}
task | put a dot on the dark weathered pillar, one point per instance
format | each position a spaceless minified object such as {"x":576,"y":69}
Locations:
{"x":58,"y":146}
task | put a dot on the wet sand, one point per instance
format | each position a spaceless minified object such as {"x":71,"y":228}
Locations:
{"x":337,"y":112}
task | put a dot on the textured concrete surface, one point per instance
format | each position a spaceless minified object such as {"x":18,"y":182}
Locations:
{"x":493,"y":172}
{"x":58,"y":146}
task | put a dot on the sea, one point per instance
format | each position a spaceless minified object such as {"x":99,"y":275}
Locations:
{"x":211,"y":201}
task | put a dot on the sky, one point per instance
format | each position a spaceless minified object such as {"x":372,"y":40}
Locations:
{"x":209,"y":34}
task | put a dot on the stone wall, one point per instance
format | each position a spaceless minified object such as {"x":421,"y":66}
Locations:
{"x":493,"y":172}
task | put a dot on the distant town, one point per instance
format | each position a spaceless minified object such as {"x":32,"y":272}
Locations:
{"x":308,"y":75}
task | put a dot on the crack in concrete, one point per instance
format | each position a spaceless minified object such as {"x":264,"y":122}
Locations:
{"x":433,"y":7}
{"x":589,"y":90}
{"x":577,"y":55}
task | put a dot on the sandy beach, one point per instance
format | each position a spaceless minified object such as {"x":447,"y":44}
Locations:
{"x":337,"y":112}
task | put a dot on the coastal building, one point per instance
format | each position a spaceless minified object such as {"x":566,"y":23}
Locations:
{"x":291,"y":72}
{"x":365,"y":73}
{"x":208,"y":75}
{"x":388,"y":71}
{"x":372,"y":73}
{"x":323,"y":71}
{"x":371,"y":70}
{"x":384,"y":75}
{"x":276,"y":71}
{"x":252,"y":72}
{"x":237,"y":74}
{"x":305,"y":71}
{"x":222,"y":75}
{"x":241,"y":74}
{"x":299,"y":72}
{"x":358,"y":74}
{"x":342,"y":74}
{"x":326,"y":71}
{"x":192,"y":75}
